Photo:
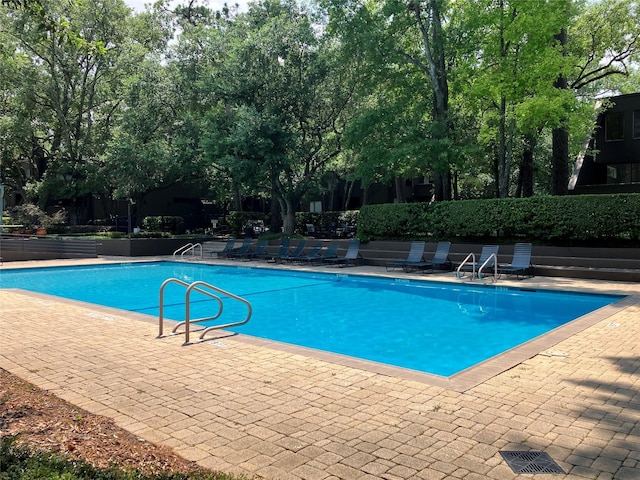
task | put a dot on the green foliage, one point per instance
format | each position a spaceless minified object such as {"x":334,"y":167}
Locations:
{"x":30,"y":215}
{"x":239,"y":221}
{"x":274,"y":101}
{"x":599,"y":220}
{"x":147,"y":234}
{"x":173,"y":224}
{"x":20,"y":463}
{"x":394,"y":221}
{"x":400,"y":125}
{"x":67,"y":78}
{"x":510,"y":84}
{"x":326,"y":221}
{"x":282,"y":96}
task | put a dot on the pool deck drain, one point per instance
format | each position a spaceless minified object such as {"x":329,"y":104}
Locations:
{"x":531,"y":462}
{"x":254,"y":410}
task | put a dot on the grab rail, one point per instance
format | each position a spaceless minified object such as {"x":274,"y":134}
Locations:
{"x":495,"y":267}
{"x":182,"y":248}
{"x":189,"y":247}
{"x":200,"y":287}
{"x":464,"y":262}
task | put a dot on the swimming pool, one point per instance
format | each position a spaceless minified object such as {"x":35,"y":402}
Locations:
{"x":430,"y":327}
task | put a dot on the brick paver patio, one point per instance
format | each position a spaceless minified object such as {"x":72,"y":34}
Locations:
{"x":247,"y":408}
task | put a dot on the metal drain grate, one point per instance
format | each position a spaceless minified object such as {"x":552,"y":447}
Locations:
{"x":531,"y":462}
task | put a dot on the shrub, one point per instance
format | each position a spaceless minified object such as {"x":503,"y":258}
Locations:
{"x":600,"y":220}
{"x":326,"y":221}
{"x":239,"y":221}
{"x":31,"y":216}
{"x":173,"y":224}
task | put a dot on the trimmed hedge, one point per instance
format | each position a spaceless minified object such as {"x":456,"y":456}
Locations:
{"x":598,"y":220}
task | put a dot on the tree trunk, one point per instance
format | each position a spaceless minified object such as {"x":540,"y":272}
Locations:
{"x":560,"y":161}
{"x":288,"y":215}
{"x":496,"y":170}
{"x":505,"y":150}
{"x":276,"y":215}
{"x":347,"y":197}
{"x":365,"y":195}
{"x":525,"y":175}
{"x":442,"y":187}
{"x":237,"y":200}
{"x":333,"y":183}
{"x":399,"y":182}
{"x":560,"y":139}
{"x":455,"y":192}
{"x":289,"y":221}
{"x":429,"y":18}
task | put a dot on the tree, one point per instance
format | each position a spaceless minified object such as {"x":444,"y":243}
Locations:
{"x":282,"y":98}
{"x":600,"y":41}
{"x":430,"y":20}
{"x":396,"y":39}
{"x":506,"y":64}
{"x":389,"y":131}
{"x":77,"y":66}
{"x":16,"y":155}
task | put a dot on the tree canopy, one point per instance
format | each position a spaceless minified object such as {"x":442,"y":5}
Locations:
{"x":485,"y":98}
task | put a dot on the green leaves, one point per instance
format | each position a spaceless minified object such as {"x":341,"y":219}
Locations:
{"x":281,"y":96}
{"x":600,"y":220}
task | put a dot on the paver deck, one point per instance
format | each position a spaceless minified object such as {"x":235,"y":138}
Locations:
{"x":244,"y":407}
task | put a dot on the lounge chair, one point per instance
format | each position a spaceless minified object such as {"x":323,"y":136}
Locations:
{"x":416,"y":254}
{"x":520,"y":263}
{"x":228,"y":248}
{"x":284,"y":249}
{"x":440,"y":260}
{"x":255,"y":252}
{"x":329,"y":253}
{"x":350,"y":258}
{"x":312,"y":253}
{"x":488,"y":258}
{"x":296,"y":252}
{"x":242,"y":250}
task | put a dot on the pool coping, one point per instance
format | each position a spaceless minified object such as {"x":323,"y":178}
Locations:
{"x":459,"y":382}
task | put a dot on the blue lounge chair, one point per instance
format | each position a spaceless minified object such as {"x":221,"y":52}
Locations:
{"x":259,"y":249}
{"x":307,"y":256}
{"x":284,"y":249}
{"x":241,"y":251}
{"x":440,"y":260}
{"x":296,"y":252}
{"x":416,"y":254}
{"x":520,"y":263}
{"x":329,"y":253}
{"x":488,"y":258}
{"x":350,"y":258}
{"x":228,"y":248}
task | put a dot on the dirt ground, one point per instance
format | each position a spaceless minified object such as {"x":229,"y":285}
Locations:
{"x":47,"y":423}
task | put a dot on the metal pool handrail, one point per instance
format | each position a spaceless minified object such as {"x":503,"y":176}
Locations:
{"x":464,"y":262}
{"x":495,"y":267}
{"x":189,"y":247}
{"x":205,"y":289}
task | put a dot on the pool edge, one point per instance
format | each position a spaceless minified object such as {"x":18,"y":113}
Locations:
{"x":459,"y":382}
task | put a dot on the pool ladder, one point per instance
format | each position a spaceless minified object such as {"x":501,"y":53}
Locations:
{"x":205,"y":289}
{"x":487,"y":263}
{"x":189,"y":247}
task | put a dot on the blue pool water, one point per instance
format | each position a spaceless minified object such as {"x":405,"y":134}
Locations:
{"x":426,"y":326}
